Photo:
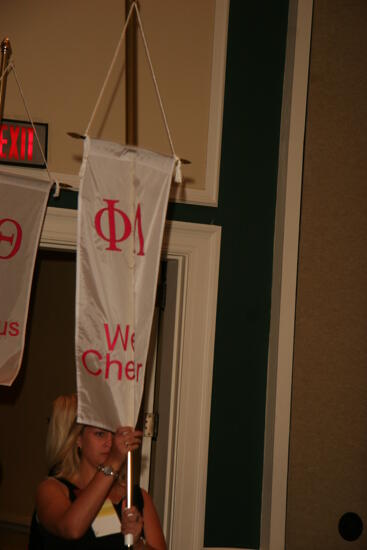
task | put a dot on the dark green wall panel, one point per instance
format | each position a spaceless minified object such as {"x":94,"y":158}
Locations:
{"x":252,"y":110}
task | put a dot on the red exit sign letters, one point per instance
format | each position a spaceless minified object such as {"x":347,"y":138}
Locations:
{"x":18,"y":143}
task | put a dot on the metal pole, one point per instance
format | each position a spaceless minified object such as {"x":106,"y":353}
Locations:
{"x":131,"y":137}
{"x":5,"y":56}
{"x":131,"y":110}
{"x":129,"y":539}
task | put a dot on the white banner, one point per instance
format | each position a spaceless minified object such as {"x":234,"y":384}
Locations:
{"x":122,"y":207}
{"x":23,"y":203}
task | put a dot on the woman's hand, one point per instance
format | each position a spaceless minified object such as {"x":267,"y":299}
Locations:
{"x":132,"y":523}
{"x":124,"y":440}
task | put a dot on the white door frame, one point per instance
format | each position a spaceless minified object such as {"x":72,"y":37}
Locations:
{"x":197,"y":247}
{"x":287,"y":222}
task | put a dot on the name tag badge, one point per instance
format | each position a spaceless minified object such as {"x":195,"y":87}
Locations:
{"x":107,"y":521}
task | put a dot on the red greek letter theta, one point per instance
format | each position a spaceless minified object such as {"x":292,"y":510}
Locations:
{"x":14,"y":239}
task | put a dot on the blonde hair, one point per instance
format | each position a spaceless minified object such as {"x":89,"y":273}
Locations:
{"x":62,"y":453}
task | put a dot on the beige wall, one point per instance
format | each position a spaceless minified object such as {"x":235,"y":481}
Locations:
{"x":62,"y":51}
{"x":328,"y":443}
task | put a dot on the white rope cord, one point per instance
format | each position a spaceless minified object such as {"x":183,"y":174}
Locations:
{"x":8,"y":67}
{"x":11,"y":66}
{"x":178,"y":174}
{"x":154,"y":80}
{"x":110,"y":70}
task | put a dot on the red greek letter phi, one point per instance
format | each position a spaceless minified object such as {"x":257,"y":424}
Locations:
{"x":112,"y":238}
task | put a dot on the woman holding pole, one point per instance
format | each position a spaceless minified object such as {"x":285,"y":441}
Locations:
{"x":78,"y":505}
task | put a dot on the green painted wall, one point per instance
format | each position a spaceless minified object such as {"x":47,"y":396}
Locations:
{"x":252,"y":111}
{"x":246,"y":210}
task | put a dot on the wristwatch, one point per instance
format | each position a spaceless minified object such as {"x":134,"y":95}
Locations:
{"x":107,"y":470}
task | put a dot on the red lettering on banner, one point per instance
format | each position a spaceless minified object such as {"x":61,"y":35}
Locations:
{"x":130,"y":371}
{"x":84,"y":357}
{"x":140,"y":231}
{"x":124,"y":342}
{"x":112,"y":237}
{"x":4,"y":329}
{"x":14,"y":329}
{"x":110,"y":362}
{"x":9,"y":328}
{"x":10,"y":238}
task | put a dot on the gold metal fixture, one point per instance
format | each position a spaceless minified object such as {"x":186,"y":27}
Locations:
{"x":5,"y":56}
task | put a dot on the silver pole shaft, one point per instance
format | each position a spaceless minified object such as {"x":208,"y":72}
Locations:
{"x":129,"y":540}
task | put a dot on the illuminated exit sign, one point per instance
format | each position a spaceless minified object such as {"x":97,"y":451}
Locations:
{"x":18,"y":143}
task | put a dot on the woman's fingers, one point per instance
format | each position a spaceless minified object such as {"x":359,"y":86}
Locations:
{"x":127,"y":439}
{"x":131,"y":522}
{"x":131,"y":516}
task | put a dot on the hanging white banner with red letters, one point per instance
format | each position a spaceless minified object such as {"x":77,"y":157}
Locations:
{"x":23,"y":202}
{"x":122,"y":207}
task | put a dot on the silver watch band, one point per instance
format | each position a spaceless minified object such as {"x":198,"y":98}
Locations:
{"x":107,"y":470}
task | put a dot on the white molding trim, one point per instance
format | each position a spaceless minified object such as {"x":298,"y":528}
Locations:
{"x":174,"y":402}
{"x":198,"y":246}
{"x":59,"y":229}
{"x":287,"y":221}
{"x":214,"y":149}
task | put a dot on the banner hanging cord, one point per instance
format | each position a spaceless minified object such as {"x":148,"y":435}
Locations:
{"x":8,"y":67}
{"x":109,"y":71}
{"x":11,"y":67}
{"x":178,"y":173}
{"x":178,"y":177}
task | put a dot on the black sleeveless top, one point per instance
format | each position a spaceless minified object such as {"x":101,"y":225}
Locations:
{"x":41,"y":539}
